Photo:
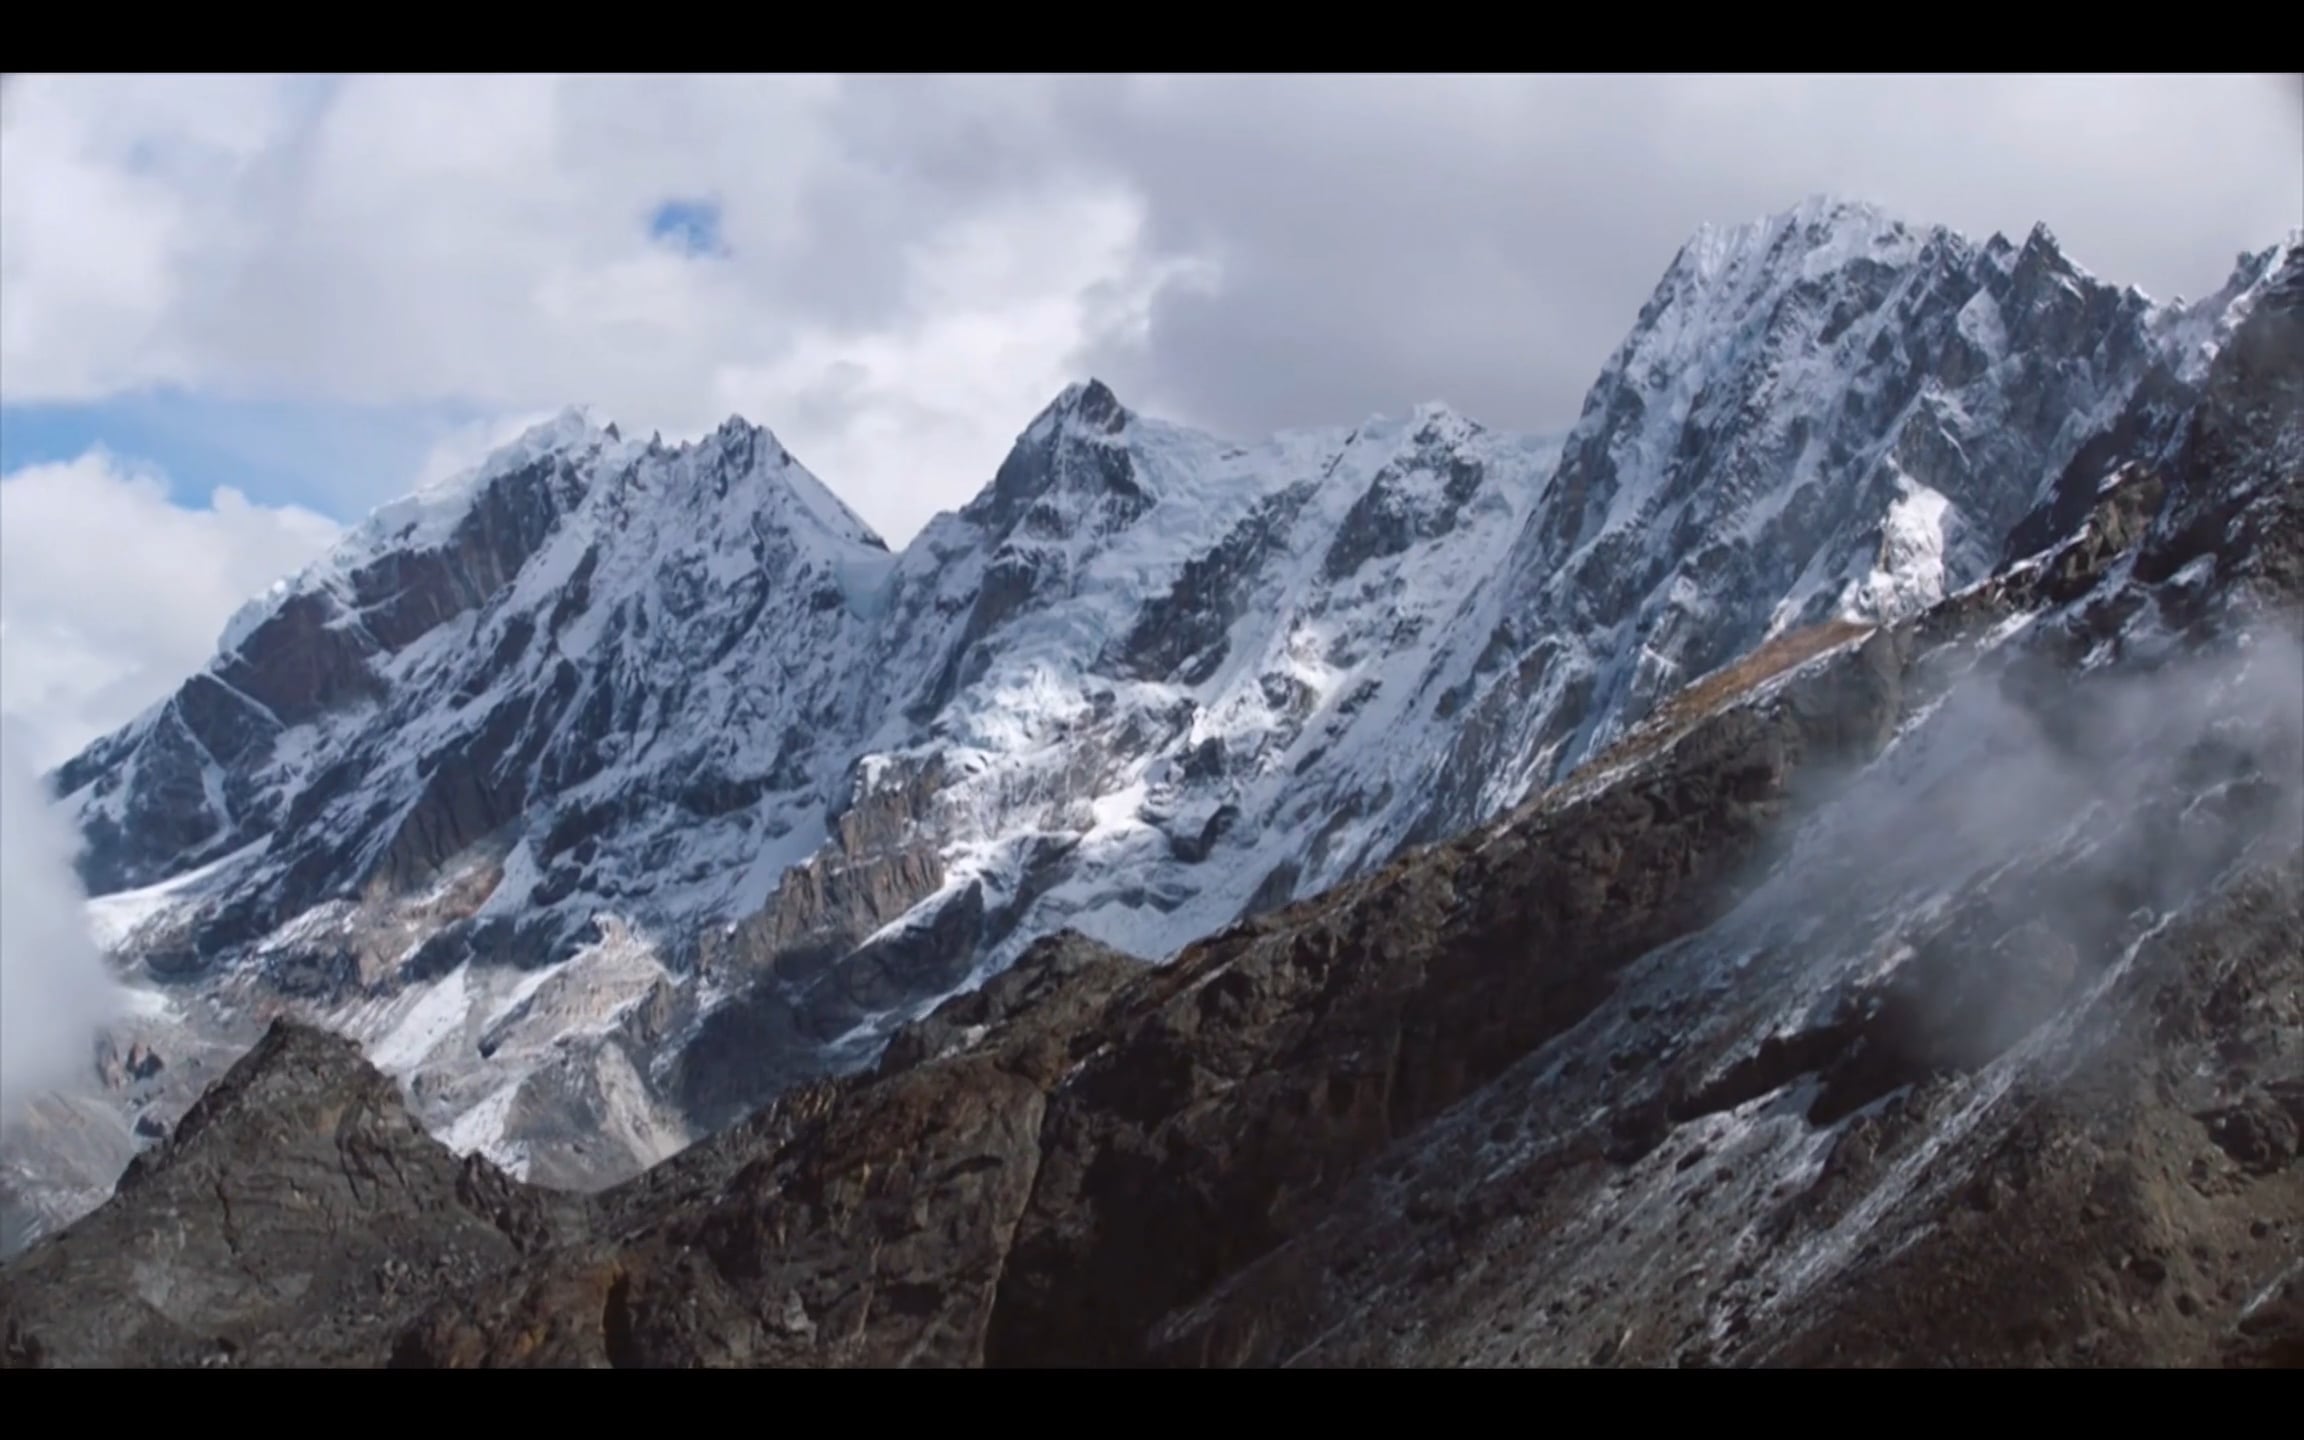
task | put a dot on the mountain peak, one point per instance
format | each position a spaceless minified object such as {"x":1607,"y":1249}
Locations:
{"x":433,"y":507}
{"x":1820,"y":231}
{"x":1090,"y":402}
{"x":740,"y":451}
{"x":1442,"y":421}
{"x":1826,"y":212}
{"x":1829,"y":209}
{"x":2042,"y":253}
{"x":427,"y":516}
{"x":570,"y":427}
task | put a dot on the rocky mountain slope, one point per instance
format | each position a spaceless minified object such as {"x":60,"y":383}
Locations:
{"x":619,"y":787}
{"x":1912,"y":992}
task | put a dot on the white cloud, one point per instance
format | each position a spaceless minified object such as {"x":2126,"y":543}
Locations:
{"x":914,"y":263}
{"x":431,"y":239}
{"x":54,"y":989}
{"x":110,"y":593}
{"x":1007,"y":299}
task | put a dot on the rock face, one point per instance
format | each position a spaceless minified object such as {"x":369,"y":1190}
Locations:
{"x":296,"y":1210}
{"x":1918,"y":992}
{"x":1826,"y":414}
{"x":618,"y":788}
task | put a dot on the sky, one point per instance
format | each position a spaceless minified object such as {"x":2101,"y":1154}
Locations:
{"x":236,"y":312}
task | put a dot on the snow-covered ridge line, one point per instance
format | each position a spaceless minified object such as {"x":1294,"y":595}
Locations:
{"x":1838,"y":231}
{"x":428,"y":518}
{"x":1147,"y":681}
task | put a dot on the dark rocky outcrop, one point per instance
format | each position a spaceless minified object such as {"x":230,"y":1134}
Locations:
{"x":296,"y":1216}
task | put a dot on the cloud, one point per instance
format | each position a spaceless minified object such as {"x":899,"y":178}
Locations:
{"x":54,"y":990}
{"x":111,"y":593}
{"x":894,"y":272}
{"x":424,"y":240}
{"x":1005,"y":300}
{"x":1487,"y":241}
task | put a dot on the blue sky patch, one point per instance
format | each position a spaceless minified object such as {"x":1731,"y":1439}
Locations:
{"x":341,"y":460}
{"x":690,"y":226}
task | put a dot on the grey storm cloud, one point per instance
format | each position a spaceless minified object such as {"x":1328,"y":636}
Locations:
{"x":1486,"y":240}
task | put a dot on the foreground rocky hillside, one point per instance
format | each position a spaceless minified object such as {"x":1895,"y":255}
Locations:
{"x":618,"y":787}
{"x":1913,"y":992}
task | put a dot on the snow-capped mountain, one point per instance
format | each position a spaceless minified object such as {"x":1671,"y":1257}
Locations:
{"x":615,"y":786}
{"x":1824,"y":414}
{"x":1916,"y":991}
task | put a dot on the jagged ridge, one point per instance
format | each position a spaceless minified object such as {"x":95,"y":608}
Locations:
{"x":1833,"y":1015}
{"x":658,"y":751}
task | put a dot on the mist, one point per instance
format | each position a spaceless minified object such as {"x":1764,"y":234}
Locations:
{"x":2032,"y":826}
{"x":55,"y":991}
